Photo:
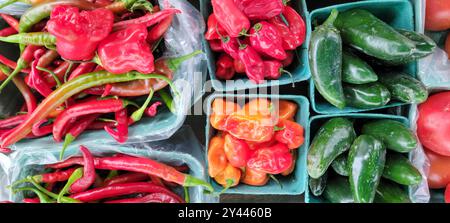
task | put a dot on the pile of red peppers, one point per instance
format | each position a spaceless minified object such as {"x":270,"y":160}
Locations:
{"x":254,"y":37}
{"x":84,"y":64}
{"x":120,"y":178}
{"x":254,"y":142}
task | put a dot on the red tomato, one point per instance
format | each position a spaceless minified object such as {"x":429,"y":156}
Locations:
{"x":272,"y":160}
{"x":291,"y":134}
{"x":237,"y":151}
{"x":433,"y":125}
{"x":437,"y":15}
{"x":439,"y":173}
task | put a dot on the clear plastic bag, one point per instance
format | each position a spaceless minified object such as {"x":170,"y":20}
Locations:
{"x":181,"y":148}
{"x":183,"y":37}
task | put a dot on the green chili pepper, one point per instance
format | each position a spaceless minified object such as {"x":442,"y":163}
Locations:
{"x":167,"y":99}
{"x":34,"y":38}
{"x":77,"y":174}
{"x":137,"y":115}
{"x":50,"y":194}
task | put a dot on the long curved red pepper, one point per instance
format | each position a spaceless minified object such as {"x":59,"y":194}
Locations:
{"x":35,"y":79}
{"x":230,"y":17}
{"x":47,"y":58}
{"x":126,"y":178}
{"x":13,"y":22}
{"x":8,"y":31}
{"x":39,"y":131}
{"x":82,"y":69}
{"x":90,"y":107}
{"x":148,"y":19}
{"x":12,"y":121}
{"x":88,"y":178}
{"x":30,"y":99}
{"x":121,"y":135}
{"x":122,"y":189}
{"x":150,"y":198}
{"x":97,"y":125}
{"x":157,"y":31}
{"x":75,"y":130}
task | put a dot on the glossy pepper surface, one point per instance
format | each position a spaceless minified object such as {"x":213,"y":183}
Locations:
{"x":273,"y":160}
{"x":254,"y":65}
{"x":236,"y":151}
{"x":217,"y":160}
{"x":79,"y":33}
{"x":127,"y":50}
{"x":225,"y":67}
{"x":231,"y":18}
{"x":262,"y":9}
{"x":266,"y":39}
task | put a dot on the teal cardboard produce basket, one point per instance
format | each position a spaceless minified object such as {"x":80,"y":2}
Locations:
{"x":397,"y":13}
{"x":299,"y":68}
{"x":317,"y":121}
{"x":293,"y":184}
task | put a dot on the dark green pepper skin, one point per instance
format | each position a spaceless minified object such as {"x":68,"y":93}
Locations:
{"x":366,"y":162}
{"x":340,"y":166}
{"x":365,"y":96}
{"x":356,"y":70}
{"x":424,"y":46}
{"x":405,"y":88}
{"x":372,"y":36}
{"x":388,"y":192}
{"x":317,"y":186}
{"x":331,"y":140}
{"x":400,"y":170}
{"x":338,"y":190}
{"x":325,"y":62}
{"x":395,"y":135}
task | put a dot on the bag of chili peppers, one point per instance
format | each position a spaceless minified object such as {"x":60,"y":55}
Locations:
{"x":156,"y":170}
{"x":90,"y":83}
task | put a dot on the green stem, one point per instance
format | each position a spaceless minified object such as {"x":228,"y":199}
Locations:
{"x":42,"y":197}
{"x":77,"y":174}
{"x":50,"y":194}
{"x":229,"y":183}
{"x":330,"y":20}
{"x":58,"y":82}
{"x":111,"y":174}
{"x":276,"y":180}
{"x":137,"y":115}
{"x":174,"y":63}
{"x":68,"y":71}
{"x":167,"y":99}
{"x":191,"y":181}
{"x":20,"y":65}
{"x":186,"y":195}
{"x":67,"y":141}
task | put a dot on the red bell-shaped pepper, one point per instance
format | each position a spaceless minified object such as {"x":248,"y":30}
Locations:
{"x":254,"y":65}
{"x":262,"y":9}
{"x":214,"y":29}
{"x":225,"y":67}
{"x":265,"y":38}
{"x":79,"y":33}
{"x":127,"y":50}
{"x":230,"y":17}
{"x":273,"y":160}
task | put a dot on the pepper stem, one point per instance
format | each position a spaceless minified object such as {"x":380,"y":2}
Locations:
{"x":58,"y":82}
{"x":290,"y":75}
{"x":186,"y":195}
{"x":330,"y":20}
{"x":77,"y":174}
{"x":67,"y":141}
{"x":42,"y":197}
{"x":276,"y":180}
{"x":167,"y":99}
{"x":191,"y":181}
{"x":137,"y":115}
{"x":174,"y":63}
{"x":50,"y":194}
{"x":228,"y":186}
{"x":19,"y":67}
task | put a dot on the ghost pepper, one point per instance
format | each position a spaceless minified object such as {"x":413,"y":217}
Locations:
{"x":127,"y":50}
{"x":79,"y":33}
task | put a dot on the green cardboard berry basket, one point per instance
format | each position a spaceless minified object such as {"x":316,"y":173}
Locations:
{"x":397,"y":13}
{"x":317,"y":121}
{"x":293,"y":184}
{"x":299,"y":68}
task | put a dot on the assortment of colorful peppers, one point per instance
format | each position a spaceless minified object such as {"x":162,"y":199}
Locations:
{"x":83,"y":61}
{"x":108,"y":180}
{"x":259,"y":35}
{"x":253,"y":142}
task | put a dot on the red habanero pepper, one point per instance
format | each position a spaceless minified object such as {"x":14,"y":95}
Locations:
{"x":291,"y":134}
{"x":289,"y":59}
{"x":273,"y":160}
{"x":38,"y":130}
{"x":231,"y":18}
{"x":254,"y":178}
{"x":262,"y":9}
{"x":152,"y":109}
{"x":126,"y":178}
{"x":239,"y":67}
{"x":90,"y":107}
{"x":13,"y":22}
{"x":236,"y":151}
{"x":231,"y":46}
{"x":147,"y":20}
{"x":150,"y":198}
{"x":230,"y":173}
{"x":214,"y":29}
{"x":137,"y":56}
{"x":82,"y":69}
{"x":296,"y":23}
{"x":157,"y":31}
{"x":220,"y":110}
{"x":88,"y":177}
{"x":216,"y":45}
{"x":121,"y":135}
{"x":274,"y":69}
{"x":225,"y":67}
{"x":8,"y":31}
{"x":252,"y":128}
{"x":287,"y":110}
{"x":79,"y":33}
{"x":266,"y":39}
{"x":12,"y":121}
{"x":122,"y":189}
{"x":289,"y":41}
{"x":254,"y":65}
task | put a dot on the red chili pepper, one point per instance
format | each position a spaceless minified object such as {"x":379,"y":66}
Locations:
{"x":12,"y":122}
{"x":152,"y":109}
{"x":150,"y":198}
{"x":291,"y":134}
{"x":120,"y":190}
{"x":289,"y":59}
{"x":11,"y":21}
{"x":31,"y":200}
{"x":11,"y":64}
{"x":38,"y":130}
{"x":266,"y":39}
{"x":274,"y":69}
{"x":231,"y":18}
{"x":231,"y":46}
{"x":88,"y":178}
{"x":236,"y":151}
{"x":5,"y":150}
{"x":216,"y":45}
{"x":239,"y":67}
{"x":121,"y":136}
{"x":97,"y":125}
{"x":28,"y":96}
{"x":47,"y":58}
{"x":8,"y":31}
{"x":254,"y":65}
{"x":225,"y":67}
{"x":54,"y":177}
{"x":262,"y":9}
{"x":214,"y":29}
{"x":157,"y":31}
{"x":140,"y":165}
{"x":296,"y":25}
{"x":447,"y":194}
{"x":273,"y":160}
{"x":147,"y":20}
{"x":79,"y":33}
{"x":137,"y":56}
{"x":79,"y":127}
{"x":35,"y":79}
{"x":82,"y":69}
{"x":126,"y":178}
{"x":90,"y":107}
